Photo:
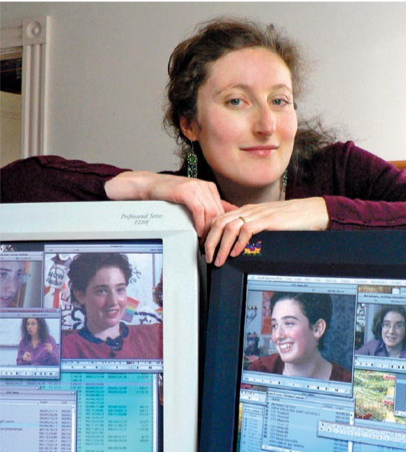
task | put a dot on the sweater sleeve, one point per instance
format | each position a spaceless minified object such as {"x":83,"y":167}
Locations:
{"x":356,"y":214}
{"x":54,"y":179}
{"x":361,"y":190}
{"x":376,"y":194}
{"x":53,"y":357}
{"x":21,"y":351}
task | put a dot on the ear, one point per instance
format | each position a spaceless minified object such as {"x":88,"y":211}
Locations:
{"x":319,"y":328}
{"x":190,"y":128}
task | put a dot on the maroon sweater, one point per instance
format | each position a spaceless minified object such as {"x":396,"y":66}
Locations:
{"x":273,"y":364}
{"x":49,"y":178}
{"x":142,"y":342}
{"x":361,"y":190}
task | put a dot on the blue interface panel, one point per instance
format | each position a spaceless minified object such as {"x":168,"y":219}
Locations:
{"x":81,"y":324}
{"x":35,"y":420}
{"x":287,"y":404}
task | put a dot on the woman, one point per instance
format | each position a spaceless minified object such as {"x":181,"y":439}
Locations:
{"x":389,"y":332}
{"x":232,"y":91}
{"x":247,"y":164}
{"x":98,"y":282}
{"x":299,"y":324}
{"x":37,"y":347}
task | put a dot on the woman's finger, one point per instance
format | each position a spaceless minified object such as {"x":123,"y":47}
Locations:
{"x":232,"y":230}
{"x":204,"y":204}
{"x":224,"y":230}
{"x":228,"y":207}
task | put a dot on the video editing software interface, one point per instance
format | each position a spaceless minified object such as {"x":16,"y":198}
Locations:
{"x":81,"y":350}
{"x":323,"y":365}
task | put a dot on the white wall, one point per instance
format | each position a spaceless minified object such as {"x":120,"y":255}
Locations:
{"x":108,"y":72}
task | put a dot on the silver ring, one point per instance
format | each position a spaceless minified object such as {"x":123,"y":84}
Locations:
{"x":243,"y":219}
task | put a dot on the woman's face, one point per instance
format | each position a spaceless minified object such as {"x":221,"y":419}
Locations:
{"x":295,"y":339}
{"x":393,"y":329}
{"x":105,"y":299}
{"x":246,"y":122}
{"x":32,"y":327}
{"x":11,"y":278}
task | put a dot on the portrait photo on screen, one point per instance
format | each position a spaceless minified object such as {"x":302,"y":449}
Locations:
{"x":29,"y":341}
{"x":20,"y":283}
{"x":300,"y":334}
{"x":111,"y":304}
{"x":381,"y":330}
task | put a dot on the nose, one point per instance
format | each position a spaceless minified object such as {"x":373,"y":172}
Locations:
{"x":111,"y":298}
{"x":11,"y":285}
{"x":278,"y":333}
{"x":265,"y":121}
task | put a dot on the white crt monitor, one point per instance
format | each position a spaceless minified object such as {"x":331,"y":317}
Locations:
{"x":99,"y":327}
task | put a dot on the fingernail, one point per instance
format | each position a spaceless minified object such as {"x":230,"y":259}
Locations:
{"x":217,"y":262}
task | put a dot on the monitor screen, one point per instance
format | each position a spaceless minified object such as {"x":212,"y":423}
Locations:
{"x":307,"y":345}
{"x":99,"y":304}
{"x":18,"y":358}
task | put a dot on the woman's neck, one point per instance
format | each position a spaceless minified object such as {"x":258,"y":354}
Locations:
{"x":35,"y":340}
{"x":240,"y":195}
{"x":318,"y":367}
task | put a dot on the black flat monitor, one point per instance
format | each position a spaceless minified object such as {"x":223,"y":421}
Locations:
{"x":306,"y":345}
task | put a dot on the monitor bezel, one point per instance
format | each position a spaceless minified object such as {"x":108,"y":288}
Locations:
{"x":122,"y":220}
{"x":358,"y":254}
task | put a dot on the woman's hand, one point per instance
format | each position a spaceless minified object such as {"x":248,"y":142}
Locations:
{"x":27,"y":357}
{"x":49,"y":348}
{"x":233,"y":230}
{"x":200,"y":197}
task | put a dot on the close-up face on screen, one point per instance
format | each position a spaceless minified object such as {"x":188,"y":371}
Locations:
{"x":20,"y":281}
{"x":82,"y":324}
{"x":109,"y":303}
{"x":323,"y":362}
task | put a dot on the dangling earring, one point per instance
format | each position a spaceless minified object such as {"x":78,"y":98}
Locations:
{"x":191,"y":162}
{"x":285,"y":181}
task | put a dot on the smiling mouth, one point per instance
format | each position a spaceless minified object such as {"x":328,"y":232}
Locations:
{"x":5,"y":301}
{"x":285,"y":347}
{"x":112,"y":312}
{"x":262,"y":151}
